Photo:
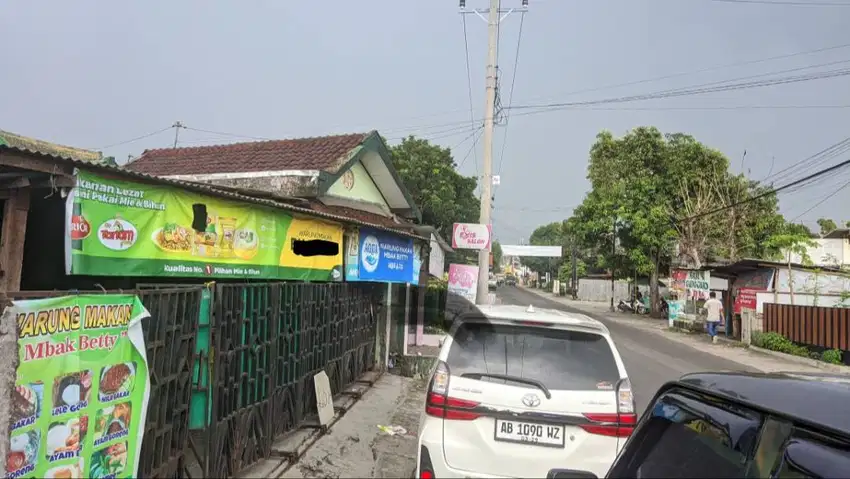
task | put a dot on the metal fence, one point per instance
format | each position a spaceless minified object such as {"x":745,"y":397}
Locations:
{"x":231,"y":368}
{"x":821,"y":327}
{"x":269,"y":342}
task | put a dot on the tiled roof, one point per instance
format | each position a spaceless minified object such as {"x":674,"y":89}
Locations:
{"x":326,"y":153}
{"x":23,"y":143}
{"x":204,"y":188}
{"x":360,"y":215}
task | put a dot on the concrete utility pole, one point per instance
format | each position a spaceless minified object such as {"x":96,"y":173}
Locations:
{"x":493,"y":20}
{"x":177,"y":125}
{"x":487,"y":177}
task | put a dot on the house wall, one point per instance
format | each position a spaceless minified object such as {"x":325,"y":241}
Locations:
{"x":363,"y":188}
{"x":826,"y":252}
{"x":283,"y":184}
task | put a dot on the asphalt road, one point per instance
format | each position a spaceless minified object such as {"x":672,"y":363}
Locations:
{"x":651,"y":360}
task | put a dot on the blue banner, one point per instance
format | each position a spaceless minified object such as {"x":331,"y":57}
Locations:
{"x":383,"y":257}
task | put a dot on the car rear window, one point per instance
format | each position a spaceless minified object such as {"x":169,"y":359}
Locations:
{"x":560,"y":359}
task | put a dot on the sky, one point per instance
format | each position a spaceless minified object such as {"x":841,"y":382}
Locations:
{"x":100,"y":74}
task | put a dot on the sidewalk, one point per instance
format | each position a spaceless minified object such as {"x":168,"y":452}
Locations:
{"x":727,"y":349}
{"x":354,"y":446}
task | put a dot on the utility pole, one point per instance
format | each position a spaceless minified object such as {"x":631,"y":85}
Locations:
{"x":575,"y":270}
{"x":493,"y":19}
{"x":613,"y":257}
{"x":487,"y":177}
{"x":177,"y":125}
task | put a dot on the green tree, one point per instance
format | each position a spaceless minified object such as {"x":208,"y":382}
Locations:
{"x":793,"y":240}
{"x":442,"y":194}
{"x":546,"y":235}
{"x":826,"y":225}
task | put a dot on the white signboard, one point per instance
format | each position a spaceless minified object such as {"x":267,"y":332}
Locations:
{"x":437,"y":259}
{"x":528,"y":250}
{"x":324,"y":398}
{"x":471,"y":236}
{"x":462,"y":287}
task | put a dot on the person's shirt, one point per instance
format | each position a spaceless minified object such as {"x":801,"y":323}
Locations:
{"x":713,"y":307}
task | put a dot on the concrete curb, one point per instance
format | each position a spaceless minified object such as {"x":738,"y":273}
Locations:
{"x":835,"y":368}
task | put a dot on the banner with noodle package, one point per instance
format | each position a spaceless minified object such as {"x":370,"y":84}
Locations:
{"x":116,"y":227}
{"x":82,"y":387}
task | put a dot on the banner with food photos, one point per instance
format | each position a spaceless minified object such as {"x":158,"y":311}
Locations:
{"x":81,"y":389}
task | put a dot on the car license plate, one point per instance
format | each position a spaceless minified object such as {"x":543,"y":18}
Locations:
{"x":529,"y":433}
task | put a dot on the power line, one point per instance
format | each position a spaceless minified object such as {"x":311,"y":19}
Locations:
{"x":786,"y":3}
{"x":511,"y":94}
{"x":818,"y":158}
{"x":710,"y":69}
{"x":695,"y":90}
{"x":147,"y":135}
{"x":822,"y":201}
{"x":469,"y":87}
{"x":771,"y":191}
{"x":477,"y":136}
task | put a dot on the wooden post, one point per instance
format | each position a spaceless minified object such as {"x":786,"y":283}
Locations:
{"x":12,"y":235}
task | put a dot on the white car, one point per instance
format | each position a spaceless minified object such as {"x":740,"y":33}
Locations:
{"x":518,"y":392}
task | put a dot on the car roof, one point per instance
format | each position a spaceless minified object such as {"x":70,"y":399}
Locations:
{"x":817,"y":398}
{"x":509,"y":313}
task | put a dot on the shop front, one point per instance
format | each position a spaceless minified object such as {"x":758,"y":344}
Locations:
{"x":116,"y":227}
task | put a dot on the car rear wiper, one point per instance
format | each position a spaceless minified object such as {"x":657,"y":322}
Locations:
{"x":506,"y":377}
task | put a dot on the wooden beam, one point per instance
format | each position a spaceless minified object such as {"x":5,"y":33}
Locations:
{"x":12,"y":235}
{"x":34,"y":163}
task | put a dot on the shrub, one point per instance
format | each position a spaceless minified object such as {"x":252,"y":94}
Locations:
{"x":777,"y":342}
{"x":832,"y":356}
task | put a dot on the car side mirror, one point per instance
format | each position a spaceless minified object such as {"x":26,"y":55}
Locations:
{"x":570,"y":474}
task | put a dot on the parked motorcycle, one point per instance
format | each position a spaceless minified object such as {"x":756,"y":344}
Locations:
{"x":627,"y":306}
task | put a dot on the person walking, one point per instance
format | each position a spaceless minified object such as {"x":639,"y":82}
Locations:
{"x":714,"y":315}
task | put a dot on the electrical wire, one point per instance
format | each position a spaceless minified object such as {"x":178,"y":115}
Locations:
{"x":818,"y":158}
{"x":696,"y":90}
{"x":511,"y":94}
{"x":469,"y":87}
{"x":822,"y":201}
{"x":147,"y":135}
{"x":772,"y":191}
{"x":785,"y":3}
{"x":711,"y":69}
{"x":477,"y":136}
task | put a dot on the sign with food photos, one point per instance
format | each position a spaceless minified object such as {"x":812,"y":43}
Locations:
{"x":81,"y":389}
{"x":116,"y":227}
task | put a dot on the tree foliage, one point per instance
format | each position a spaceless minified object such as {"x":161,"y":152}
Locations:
{"x":826,"y":225}
{"x":657,"y":199}
{"x":442,"y":194}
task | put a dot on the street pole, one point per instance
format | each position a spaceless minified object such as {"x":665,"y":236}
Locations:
{"x":613,"y":256}
{"x":487,"y":177}
{"x":575,"y":270}
{"x":177,"y":125}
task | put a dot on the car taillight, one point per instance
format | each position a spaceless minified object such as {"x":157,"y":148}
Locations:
{"x":613,"y":425}
{"x":439,"y":404}
{"x":621,"y":424}
{"x":426,"y":475}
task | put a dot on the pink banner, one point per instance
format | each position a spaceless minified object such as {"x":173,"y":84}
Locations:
{"x":463,"y":280}
{"x":471,"y":236}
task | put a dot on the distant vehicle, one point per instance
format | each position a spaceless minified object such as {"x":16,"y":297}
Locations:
{"x":518,"y":392}
{"x":492,"y":283}
{"x":731,"y":425}
{"x":510,"y":281}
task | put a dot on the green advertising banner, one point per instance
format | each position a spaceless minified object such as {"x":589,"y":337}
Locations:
{"x":122,"y":228}
{"x":82,"y":387}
